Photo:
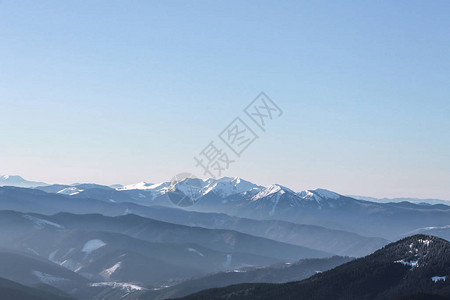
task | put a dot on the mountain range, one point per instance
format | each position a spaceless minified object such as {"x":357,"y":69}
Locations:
{"x":240,"y":198}
{"x":66,"y":239}
{"x":167,"y":240}
{"x":334,"y":241}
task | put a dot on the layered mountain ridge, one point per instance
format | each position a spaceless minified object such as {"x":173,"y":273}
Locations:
{"x":156,"y":241}
{"x":417,"y":267}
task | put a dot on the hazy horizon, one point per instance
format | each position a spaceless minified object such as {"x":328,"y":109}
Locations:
{"x":204,"y":178}
{"x":112,"y":92}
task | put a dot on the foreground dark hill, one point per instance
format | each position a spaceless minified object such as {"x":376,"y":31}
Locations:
{"x":278,"y":273}
{"x":416,"y":267}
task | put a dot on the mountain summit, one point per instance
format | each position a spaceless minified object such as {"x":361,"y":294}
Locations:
{"x":15,"y":180}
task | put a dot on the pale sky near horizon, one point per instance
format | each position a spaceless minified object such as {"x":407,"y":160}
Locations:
{"x":128,"y":91}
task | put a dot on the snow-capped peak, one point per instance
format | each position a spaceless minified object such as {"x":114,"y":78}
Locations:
{"x":327,"y":194}
{"x":318,"y":195}
{"x":11,"y":178}
{"x":195,"y":188}
{"x":18,"y":181}
{"x":228,"y":186}
{"x":138,"y":186}
{"x":306,"y":194}
{"x":272,"y":190}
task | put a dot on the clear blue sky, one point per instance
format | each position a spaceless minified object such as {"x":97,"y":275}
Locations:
{"x":127,"y":91}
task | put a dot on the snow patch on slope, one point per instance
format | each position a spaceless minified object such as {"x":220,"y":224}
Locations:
{"x":271,"y":190}
{"x":48,"y":278}
{"x":438,"y":278}
{"x":128,"y":287}
{"x":70,"y":191}
{"x":108,"y":272}
{"x":138,"y":186}
{"x":413,"y":264}
{"x":227,"y":263}
{"x":41,"y":223}
{"x":51,"y":256}
{"x":92,"y":245}
{"x":425,"y":242}
{"x":195,"y":251}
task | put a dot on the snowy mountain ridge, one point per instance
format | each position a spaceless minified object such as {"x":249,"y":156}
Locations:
{"x":194,"y":188}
